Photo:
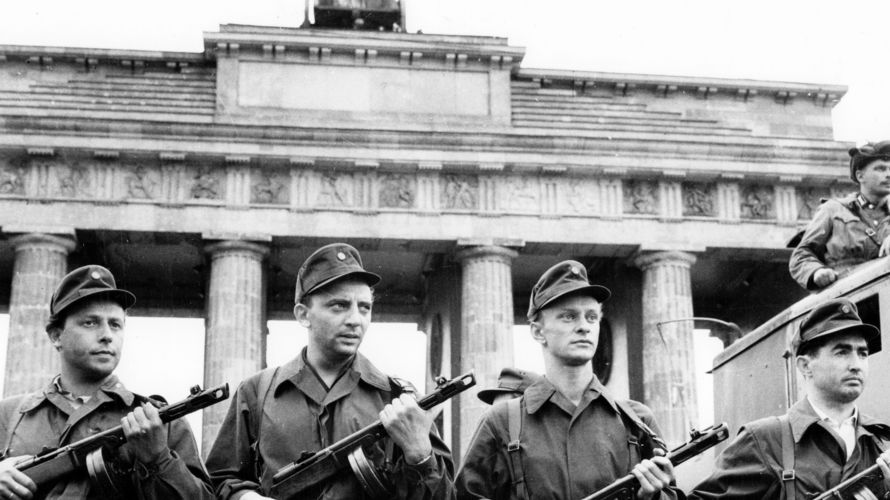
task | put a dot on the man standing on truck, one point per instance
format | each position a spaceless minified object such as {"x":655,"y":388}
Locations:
{"x":823,"y":439}
{"x":848,"y":231}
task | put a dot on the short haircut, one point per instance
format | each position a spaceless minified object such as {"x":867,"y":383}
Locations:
{"x":57,"y":321}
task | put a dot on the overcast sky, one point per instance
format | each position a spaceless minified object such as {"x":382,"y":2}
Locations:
{"x":784,"y":40}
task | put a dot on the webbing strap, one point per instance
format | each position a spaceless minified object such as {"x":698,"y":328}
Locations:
{"x":514,"y":427}
{"x":788,"y":475}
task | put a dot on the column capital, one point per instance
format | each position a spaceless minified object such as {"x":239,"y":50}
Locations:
{"x":230,"y":246}
{"x":645,"y":260}
{"x":497,"y":251}
{"x":60,"y":243}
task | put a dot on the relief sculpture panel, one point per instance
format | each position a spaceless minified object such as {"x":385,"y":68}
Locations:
{"x":269,"y":187}
{"x":12,"y":179}
{"x":397,"y":191}
{"x":641,"y":197}
{"x":460,"y":192}
{"x":520,"y":194}
{"x":809,"y":199}
{"x":141,"y":183}
{"x":70,"y":181}
{"x":581,"y":196}
{"x":335,"y":190}
{"x":206,"y":184}
{"x":758,"y":202}
{"x":699,"y":199}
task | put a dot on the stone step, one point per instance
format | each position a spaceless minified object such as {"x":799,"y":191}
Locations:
{"x":100,"y":88}
{"x":87,"y":106}
{"x":614,"y":118}
{"x":143,"y":82}
{"x":593,"y":112}
{"x":568,"y":95}
{"x":197,"y":76}
{"x":576,"y":103}
{"x":94,"y":99}
{"x":7,"y":109}
{"x":622,"y":125}
{"x":201,"y":98}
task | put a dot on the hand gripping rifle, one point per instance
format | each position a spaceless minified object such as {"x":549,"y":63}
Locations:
{"x":315,"y":468}
{"x":857,"y":487}
{"x":48,"y":467}
{"x":626,"y":487}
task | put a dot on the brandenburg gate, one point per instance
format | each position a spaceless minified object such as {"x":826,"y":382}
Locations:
{"x":202,"y":180}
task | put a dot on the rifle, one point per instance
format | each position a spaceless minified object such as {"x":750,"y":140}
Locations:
{"x":50,"y":466}
{"x":626,"y":487}
{"x":315,"y":468}
{"x":857,"y":487}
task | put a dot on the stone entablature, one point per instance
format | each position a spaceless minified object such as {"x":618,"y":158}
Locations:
{"x":364,"y":186}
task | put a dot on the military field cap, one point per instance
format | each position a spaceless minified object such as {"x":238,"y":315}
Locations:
{"x":510,"y":381}
{"x":862,"y":155}
{"x":88,"y":281}
{"x":567,"y":277}
{"x":328,"y":264}
{"x":832,"y":318}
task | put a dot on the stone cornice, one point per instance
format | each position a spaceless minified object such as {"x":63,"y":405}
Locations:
{"x":665,"y":86}
{"x":46,"y":56}
{"x":450,"y":50}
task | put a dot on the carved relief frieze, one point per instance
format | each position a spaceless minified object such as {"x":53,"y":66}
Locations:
{"x":809,"y":199}
{"x":141,"y":182}
{"x":641,"y":197}
{"x":460,"y":192}
{"x":757,"y":202}
{"x":581,"y":196}
{"x":397,"y":191}
{"x":699,"y":199}
{"x":206,"y":183}
{"x":335,"y":190}
{"x":520,"y":193}
{"x":12,"y":179}
{"x":70,"y":181}
{"x":269,"y":187}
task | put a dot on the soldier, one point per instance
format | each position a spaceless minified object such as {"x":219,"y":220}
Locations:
{"x":566,"y":437}
{"x":86,"y":327}
{"x":823,"y":439}
{"x":326,"y":393}
{"x":848,"y":231}
{"x":511,"y":384}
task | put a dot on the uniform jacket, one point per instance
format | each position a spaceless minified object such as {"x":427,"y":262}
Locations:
{"x":300,"y":416}
{"x":46,"y":419}
{"x":751,"y":466}
{"x":837,"y":238}
{"x":566,"y":452}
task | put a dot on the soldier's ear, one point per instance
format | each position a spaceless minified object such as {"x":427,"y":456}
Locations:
{"x":301,"y":313}
{"x":537,"y":332}
{"x":54,"y":334}
{"x":803,"y":365}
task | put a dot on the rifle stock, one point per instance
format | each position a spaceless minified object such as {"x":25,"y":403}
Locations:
{"x":626,"y":487}
{"x":313,"y":469}
{"x":49,"y":467}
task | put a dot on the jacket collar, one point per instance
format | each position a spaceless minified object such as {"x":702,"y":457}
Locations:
{"x":112,"y":388}
{"x":543,"y":390}
{"x":802,"y":416}
{"x":299,"y":374}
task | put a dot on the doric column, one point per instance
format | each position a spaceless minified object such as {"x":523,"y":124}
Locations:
{"x":668,"y":364}
{"x":235,"y":343}
{"x":41,"y":260}
{"x":486,"y":325}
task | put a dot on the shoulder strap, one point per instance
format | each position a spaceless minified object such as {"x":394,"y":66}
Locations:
{"x":514,"y":428}
{"x":264,"y":387}
{"x":788,"y":475}
{"x":655,"y":441}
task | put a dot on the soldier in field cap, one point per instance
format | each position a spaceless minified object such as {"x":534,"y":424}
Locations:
{"x":566,"y":436}
{"x":823,"y":439}
{"x":86,"y":327}
{"x":327,"y":392}
{"x":851,"y":230}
